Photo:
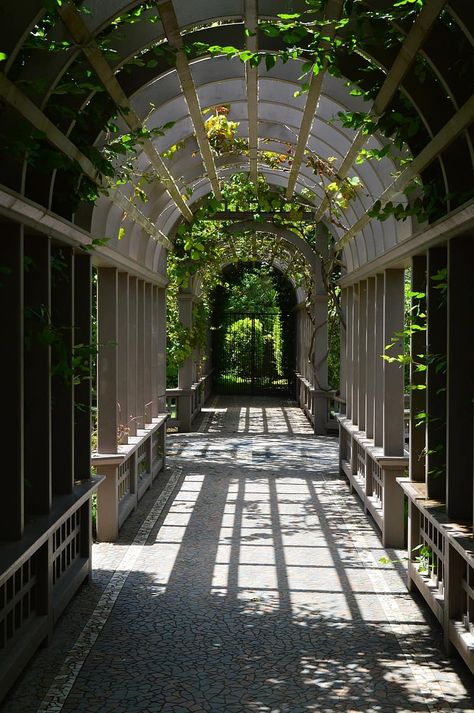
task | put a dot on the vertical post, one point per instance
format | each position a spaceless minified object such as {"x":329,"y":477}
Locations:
{"x":132,"y":356}
{"x":62,"y":309}
{"x":82,"y":389}
{"x":37,"y":377}
{"x":123,"y":356}
{"x":185,"y":374}
{"x":436,"y":343}
{"x":370,"y":359}
{"x":107,"y":359}
{"x":460,"y":381}
{"x":320,"y":364}
{"x":349,"y":360}
{"x":362,"y":348}
{"x":343,"y":347}
{"x":154,"y":352}
{"x":355,"y":355}
{"x":393,"y":377}
{"x":107,"y":505}
{"x":148,"y":339}
{"x":417,"y":378}
{"x":11,"y":359}
{"x":320,"y":359}
{"x":413,"y":540}
{"x":379,"y":351}
{"x":161,"y":350}
{"x":140,"y":354}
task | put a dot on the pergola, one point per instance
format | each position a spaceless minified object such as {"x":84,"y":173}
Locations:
{"x":50,"y":242}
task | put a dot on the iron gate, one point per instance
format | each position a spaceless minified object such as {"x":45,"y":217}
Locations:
{"x":248,"y":354}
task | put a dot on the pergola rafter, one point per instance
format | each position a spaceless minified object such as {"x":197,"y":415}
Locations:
{"x":24,"y":106}
{"x":81,"y":35}
{"x":333,"y":12}
{"x":449,"y":133}
{"x":402,"y":64}
{"x":173,"y":34}
{"x":251,"y":76}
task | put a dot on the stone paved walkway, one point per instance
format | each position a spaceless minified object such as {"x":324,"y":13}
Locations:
{"x":257,"y":590}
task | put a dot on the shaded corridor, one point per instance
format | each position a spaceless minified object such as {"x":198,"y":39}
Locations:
{"x":258,"y":589}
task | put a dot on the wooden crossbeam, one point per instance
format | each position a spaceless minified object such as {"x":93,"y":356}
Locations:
{"x":173,"y":34}
{"x":333,"y":12}
{"x":449,"y":133}
{"x":403,"y":61}
{"x":26,"y":108}
{"x":81,"y":35}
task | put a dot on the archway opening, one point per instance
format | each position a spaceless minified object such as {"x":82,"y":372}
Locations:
{"x":253,"y":331}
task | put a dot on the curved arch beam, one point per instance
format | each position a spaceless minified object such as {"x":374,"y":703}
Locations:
{"x":301,"y":245}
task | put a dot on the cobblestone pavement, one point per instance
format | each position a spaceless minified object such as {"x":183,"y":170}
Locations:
{"x":257,"y":590}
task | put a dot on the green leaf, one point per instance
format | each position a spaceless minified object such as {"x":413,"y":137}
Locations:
{"x":3,"y":56}
{"x":270,"y":61}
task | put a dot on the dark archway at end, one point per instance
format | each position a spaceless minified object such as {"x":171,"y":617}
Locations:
{"x":254,"y":332}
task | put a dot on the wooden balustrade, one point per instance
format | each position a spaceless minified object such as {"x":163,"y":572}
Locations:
{"x":128,"y":475}
{"x":441,"y":566}
{"x":40,"y":574}
{"x":374,"y":478}
{"x":307,"y":394}
{"x":184,"y":405}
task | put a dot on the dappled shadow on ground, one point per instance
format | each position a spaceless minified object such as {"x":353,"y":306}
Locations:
{"x":253,"y":415}
{"x":251,"y":596}
{"x":258,"y":590}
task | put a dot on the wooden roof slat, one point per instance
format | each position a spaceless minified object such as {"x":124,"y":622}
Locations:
{"x":251,"y":76}
{"x":26,"y":108}
{"x":439,"y":143}
{"x":333,"y":12}
{"x":173,"y":34}
{"x":402,"y":64}
{"x":80,"y":34}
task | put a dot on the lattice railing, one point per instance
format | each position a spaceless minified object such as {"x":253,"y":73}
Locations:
{"x":430,"y":555}
{"x":360,"y":460}
{"x":66,"y":545}
{"x":346,"y":442}
{"x":467,"y":584}
{"x":18,"y":601}
{"x":376,"y":482}
{"x":157,"y":449}
{"x":143,"y":464}
{"x":124,"y":479}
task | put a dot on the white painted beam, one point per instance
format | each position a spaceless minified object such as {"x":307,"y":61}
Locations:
{"x":449,"y":133}
{"x":81,"y":35}
{"x":402,"y":64}
{"x":26,"y":108}
{"x":333,"y":12}
{"x":251,"y":76}
{"x":173,"y":34}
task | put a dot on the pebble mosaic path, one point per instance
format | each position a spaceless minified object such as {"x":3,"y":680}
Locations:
{"x":247,"y":581}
